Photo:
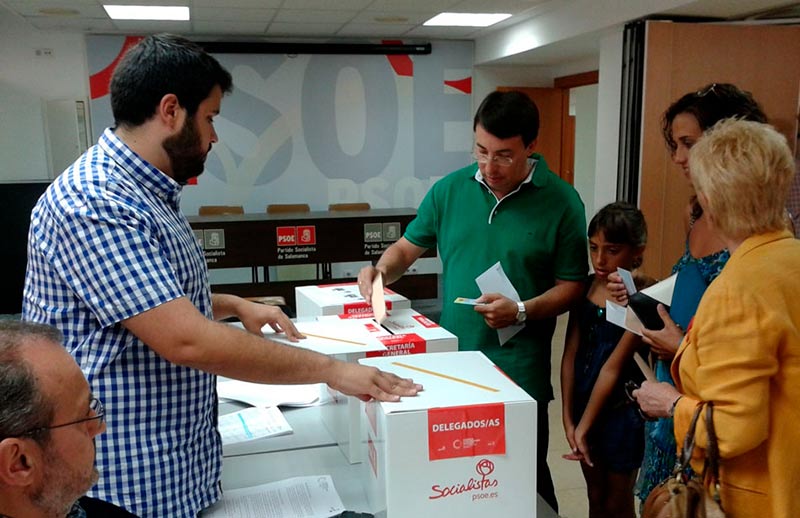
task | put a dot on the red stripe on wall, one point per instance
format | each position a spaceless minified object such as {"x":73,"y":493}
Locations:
{"x":98,"y":83}
{"x":462,"y":85}
{"x":402,"y":65}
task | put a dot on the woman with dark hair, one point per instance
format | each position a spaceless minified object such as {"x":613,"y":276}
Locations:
{"x":683,"y":124}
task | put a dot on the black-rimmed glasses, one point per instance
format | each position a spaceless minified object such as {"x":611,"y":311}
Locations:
{"x":95,"y":406}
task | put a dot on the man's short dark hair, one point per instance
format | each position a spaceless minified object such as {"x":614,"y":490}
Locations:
{"x":23,"y":406}
{"x":159,"y":65}
{"x":508,"y":114}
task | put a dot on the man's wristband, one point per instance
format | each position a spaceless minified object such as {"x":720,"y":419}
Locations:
{"x":672,"y":408}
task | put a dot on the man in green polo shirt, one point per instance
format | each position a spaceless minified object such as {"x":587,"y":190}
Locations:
{"x":507,"y":207}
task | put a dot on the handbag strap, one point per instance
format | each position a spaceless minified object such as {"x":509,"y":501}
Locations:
{"x":711,"y":466}
{"x":688,"y":442}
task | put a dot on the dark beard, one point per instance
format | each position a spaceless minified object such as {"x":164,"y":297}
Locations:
{"x":184,"y":153}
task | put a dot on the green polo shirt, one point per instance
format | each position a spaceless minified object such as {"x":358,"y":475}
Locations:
{"x":538,"y":234}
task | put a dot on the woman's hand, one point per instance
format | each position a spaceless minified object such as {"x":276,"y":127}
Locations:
{"x":665,"y":342}
{"x":656,"y":399}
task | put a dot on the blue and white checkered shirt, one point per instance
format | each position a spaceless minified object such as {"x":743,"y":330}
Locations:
{"x":108,"y":241}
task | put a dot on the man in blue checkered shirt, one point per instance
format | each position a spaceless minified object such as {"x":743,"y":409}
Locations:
{"x":113,"y":263}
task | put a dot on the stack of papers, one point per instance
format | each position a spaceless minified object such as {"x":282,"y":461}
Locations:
{"x":299,"y":497}
{"x":261,"y":395}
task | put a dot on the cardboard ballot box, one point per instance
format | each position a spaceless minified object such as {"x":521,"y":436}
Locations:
{"x":403,"y":332}
{"x":344,"y":340}
{"x":465,"y":446}
{"x":340,"y":299}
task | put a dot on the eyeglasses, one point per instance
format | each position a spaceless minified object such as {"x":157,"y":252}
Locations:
{"x":484,"y":158}
{"x":95,"y":406}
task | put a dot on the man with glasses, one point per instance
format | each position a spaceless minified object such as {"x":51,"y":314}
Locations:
{"x":48,"y":421}
{"x":507,"y":207}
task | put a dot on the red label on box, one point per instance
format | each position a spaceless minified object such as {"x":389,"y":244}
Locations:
{"x":287,"y":236}
{"x":307,"y":235}
{"x":359,"y":309}
{"x":400,"y":345}
{"x":372,"y":328}
{"x":373,"y":457}
{"x":466,"y":431}
{"x":356,"y":315}
{"x":425,"y":321}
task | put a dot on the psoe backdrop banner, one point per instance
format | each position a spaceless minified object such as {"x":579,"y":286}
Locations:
{"x":322,"y":129}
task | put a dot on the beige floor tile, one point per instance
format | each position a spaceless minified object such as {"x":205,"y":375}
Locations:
{"x":567,"y":476}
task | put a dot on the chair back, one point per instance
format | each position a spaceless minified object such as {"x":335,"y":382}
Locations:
{"x":217,"y":210}
{"x":284,"y":208}
{"x":349,"y":206}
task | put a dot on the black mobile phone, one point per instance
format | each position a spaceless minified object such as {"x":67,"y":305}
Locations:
{"x":355,"y":514}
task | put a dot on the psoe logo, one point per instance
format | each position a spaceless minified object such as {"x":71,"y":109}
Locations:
{"x":287,"y":236}
{"x":483,"y":468}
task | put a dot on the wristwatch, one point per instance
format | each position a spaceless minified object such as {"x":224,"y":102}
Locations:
{"x":521,"y":315}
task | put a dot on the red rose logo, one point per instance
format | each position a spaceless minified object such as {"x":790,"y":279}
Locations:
{"x":484,"y":467}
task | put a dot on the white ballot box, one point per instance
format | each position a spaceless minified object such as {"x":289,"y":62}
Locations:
{"x":403,"y":332}
{"x":465,"y":446}
{"x":345,"y":339}
{"x":344,"y":299}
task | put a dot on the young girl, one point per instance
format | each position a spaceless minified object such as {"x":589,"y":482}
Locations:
{"x":603,"y":431}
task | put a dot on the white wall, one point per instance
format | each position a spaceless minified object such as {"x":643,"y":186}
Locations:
{"x":583,"y":101}
{"x":27,"y":83}
{"x":608,"y":111}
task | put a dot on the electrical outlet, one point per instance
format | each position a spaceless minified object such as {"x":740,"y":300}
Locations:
{"x":44,"y":53}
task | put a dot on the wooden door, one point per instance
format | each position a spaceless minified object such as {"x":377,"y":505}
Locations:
{"x":552,"y":103}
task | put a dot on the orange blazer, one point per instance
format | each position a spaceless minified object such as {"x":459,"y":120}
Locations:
{"x":742,"y":352}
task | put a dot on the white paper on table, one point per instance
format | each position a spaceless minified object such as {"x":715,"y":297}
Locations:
{"x":378,"y":301}
{"x":262,"y":395}
{"x":495,"y":280}
{"x":252,"y":423}
{"x":299,"y":497}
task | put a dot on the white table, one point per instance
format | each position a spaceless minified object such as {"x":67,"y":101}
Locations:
{"x":310,"y":450}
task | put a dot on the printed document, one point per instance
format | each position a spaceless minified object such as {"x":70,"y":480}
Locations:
{"x":252,"y":423}
{"x":299,"y":497}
